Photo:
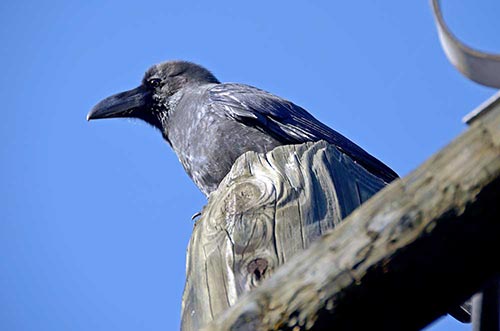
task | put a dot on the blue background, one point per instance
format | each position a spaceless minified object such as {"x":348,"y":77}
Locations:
{"x":95,"y":217}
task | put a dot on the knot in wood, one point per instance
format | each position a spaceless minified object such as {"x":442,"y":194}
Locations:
{"x":247,"y":194}
{"x":257,"y":268}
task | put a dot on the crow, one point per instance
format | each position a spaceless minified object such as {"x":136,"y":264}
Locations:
{"x":209,"y":124}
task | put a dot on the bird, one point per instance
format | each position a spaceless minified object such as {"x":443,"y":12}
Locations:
{"x":210,"y":124}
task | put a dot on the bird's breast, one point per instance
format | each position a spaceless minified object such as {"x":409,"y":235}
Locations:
{"x":208,"y":143}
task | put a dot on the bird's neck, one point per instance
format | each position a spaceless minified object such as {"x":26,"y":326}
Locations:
{"x":193,"y":92}
{"x":164,"y":116}
{"x":174,"y":100}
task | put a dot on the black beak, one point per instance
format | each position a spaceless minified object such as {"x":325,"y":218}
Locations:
{"x":126,"y":104}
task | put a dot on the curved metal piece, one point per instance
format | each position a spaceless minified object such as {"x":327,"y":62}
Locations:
{"x":483,"y":68}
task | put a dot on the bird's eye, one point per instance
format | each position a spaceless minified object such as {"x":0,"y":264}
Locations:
{"x":154,"y":82}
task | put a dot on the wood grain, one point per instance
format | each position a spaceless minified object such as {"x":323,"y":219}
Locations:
{"x":269,"y":208}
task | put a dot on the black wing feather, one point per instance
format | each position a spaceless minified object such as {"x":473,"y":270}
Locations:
{"x":287,"y":122}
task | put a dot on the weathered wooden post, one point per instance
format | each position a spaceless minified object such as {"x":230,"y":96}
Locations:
{"x":265,"y":211}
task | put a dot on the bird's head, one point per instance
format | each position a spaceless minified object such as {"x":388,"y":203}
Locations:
{"x":150,"y":101}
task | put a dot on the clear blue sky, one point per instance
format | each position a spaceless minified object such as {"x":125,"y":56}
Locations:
{"x":95,"y":217}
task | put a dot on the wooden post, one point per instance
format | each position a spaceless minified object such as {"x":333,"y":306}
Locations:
{"x":265,"y":211}
{"x":423,"y":244}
